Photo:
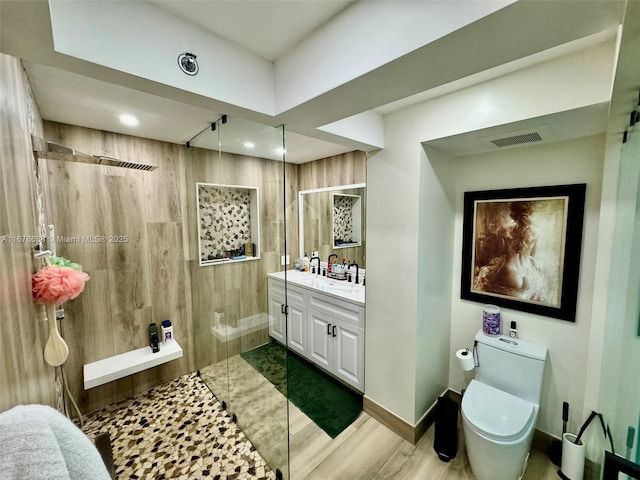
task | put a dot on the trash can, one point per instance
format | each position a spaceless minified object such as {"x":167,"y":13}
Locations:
{"x":445,"y":440}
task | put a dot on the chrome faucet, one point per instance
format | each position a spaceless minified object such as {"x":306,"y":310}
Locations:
{"x":311,"y":261}
{"x":357,"y":270}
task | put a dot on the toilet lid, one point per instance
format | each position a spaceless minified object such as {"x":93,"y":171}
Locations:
{"x":496,"y":414}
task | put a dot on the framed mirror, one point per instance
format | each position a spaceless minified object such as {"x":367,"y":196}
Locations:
{"x":332,"y":220}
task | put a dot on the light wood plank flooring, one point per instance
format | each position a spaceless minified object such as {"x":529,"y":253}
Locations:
{"x":366,"y":450}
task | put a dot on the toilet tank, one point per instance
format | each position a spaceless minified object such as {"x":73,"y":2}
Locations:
{"x":512,"y":365}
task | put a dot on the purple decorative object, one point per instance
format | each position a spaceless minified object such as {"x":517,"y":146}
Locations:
{"x":491,"y":320}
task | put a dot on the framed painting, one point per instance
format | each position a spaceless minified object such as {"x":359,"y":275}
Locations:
{"x":521,"y":248}
{"x":614,"y":465}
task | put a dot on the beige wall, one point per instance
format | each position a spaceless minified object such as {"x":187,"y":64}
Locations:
{"x":24,"y":376}
{"x":134,"y":282}
{"x":238,"y":290}
{"x":346,"y":169}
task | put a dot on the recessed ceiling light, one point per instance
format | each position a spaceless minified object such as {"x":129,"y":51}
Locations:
{"x":129,"y":120}
{"x":249,"y":145}
{"x":280,"y":150}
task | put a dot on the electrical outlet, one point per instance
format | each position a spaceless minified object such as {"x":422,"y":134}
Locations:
{"x":285,"y":260}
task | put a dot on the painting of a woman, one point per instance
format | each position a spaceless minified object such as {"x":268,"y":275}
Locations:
{"x":518,"y":249}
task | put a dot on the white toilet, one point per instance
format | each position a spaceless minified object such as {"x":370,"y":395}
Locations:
{"x":500,"y":406}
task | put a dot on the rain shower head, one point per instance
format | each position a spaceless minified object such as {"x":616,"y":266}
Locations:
{"x":53,"y":151}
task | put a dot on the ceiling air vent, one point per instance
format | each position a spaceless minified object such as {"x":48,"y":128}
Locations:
{"x":517,"y":140}
{"x":514,"y":138}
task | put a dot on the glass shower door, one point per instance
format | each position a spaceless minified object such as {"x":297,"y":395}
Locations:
{"x":252,"y":169}
{"x":620,"y":388}
{"x":239,"y":240}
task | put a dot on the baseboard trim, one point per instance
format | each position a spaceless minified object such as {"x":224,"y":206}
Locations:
{"x":411,"y":433}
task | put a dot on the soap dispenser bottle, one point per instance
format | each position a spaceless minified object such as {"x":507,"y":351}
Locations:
{"x":305,"y":263}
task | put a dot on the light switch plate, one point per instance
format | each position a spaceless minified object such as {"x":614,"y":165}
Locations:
{"x":285,"y":260}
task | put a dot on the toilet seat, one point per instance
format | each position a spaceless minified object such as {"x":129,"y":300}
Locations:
{"x":496,"y":414}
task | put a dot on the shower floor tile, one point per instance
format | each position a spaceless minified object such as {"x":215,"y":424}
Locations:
{"x":177,"y":430}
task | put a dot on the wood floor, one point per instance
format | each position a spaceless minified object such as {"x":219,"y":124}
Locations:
{"x":366,"y":450}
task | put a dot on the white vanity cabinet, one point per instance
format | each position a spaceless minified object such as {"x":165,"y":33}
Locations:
{"x":336,"y":337}
{"x":294,"y":334}
{"x":323,"y":328}
{"x":277,"y":320}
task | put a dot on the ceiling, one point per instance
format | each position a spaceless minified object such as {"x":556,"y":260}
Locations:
{"x":77,"y":92}
{"x":267,"y":28}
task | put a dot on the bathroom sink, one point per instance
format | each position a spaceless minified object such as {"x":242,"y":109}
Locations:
{"x":338,"y":288}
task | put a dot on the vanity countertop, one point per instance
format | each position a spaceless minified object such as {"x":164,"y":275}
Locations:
{"x":340,"y":289}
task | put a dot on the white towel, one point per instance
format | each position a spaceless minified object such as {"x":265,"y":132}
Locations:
{"x":39,"y":443}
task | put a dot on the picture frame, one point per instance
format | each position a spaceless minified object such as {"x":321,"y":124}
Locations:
{"x":521,"y":248}
{"x":615,"y":465}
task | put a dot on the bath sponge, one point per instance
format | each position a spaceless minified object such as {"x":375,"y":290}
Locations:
{"x":54,"y":284}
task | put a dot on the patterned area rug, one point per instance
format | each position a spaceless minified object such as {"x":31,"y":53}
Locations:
{"x":177,"y":431}
{"x":327,"y":402}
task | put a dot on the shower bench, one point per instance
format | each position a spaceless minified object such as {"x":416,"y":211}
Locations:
{"x":119,"y":366}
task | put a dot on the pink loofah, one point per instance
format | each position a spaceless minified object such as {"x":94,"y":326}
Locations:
{"x":53,"y":284}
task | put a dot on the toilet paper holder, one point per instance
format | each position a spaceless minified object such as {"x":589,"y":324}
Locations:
{"x":465,"y":359}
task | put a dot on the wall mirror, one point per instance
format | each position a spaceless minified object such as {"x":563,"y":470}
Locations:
{"x":332,"y":220}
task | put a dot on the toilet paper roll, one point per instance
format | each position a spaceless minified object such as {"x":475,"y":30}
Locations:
{"x":491,"y":320}
{"x":465,"y":359}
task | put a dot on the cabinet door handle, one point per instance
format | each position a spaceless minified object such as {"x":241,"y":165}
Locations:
{"x":328,"y":329}
{"x":334,"y":331}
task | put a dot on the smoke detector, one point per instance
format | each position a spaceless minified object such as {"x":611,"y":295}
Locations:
{"x":188,"y":64}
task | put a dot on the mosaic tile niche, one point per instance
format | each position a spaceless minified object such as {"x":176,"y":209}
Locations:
{"x":227,"y":223}
{"x":346,"y":220}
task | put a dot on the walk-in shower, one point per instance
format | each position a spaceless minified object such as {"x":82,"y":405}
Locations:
{"x":235,"y":174}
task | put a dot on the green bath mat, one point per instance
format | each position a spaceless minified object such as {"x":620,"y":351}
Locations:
{"x":327,"y":402}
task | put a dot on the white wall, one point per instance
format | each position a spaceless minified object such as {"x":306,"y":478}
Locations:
{"x":137,"y":38}
{"x":573,"y":161}
{"x":435,"y":250}
{"x":393,"y":189}
{"x":408,"y":192}
{"x":366,"y":36}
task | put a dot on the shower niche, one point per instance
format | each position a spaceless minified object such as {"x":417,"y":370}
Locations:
{"x":346,"y":220}
{"x":228,"y":223}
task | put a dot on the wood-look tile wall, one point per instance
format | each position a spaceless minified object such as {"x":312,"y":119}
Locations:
{"x":138,"y":269}
{"x":346,"y":169}
{"x":318,"y":231}
{"x":147,"y":269}
{"x":24,"y":375}
{"x":237,"y":290}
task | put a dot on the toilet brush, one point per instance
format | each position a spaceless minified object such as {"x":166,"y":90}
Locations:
{"x":555,"y":452}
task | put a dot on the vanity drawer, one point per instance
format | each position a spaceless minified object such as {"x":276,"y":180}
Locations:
{"x":294,"y":294}
{"x":339,"y":309}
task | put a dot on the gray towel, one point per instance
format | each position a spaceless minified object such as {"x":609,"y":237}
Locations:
{"x":39,"y":443}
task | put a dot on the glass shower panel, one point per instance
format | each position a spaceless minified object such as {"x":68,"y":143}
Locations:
{"x":203,"y":173}
{"x":622,"y":338}
{"x":252,"y":180}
